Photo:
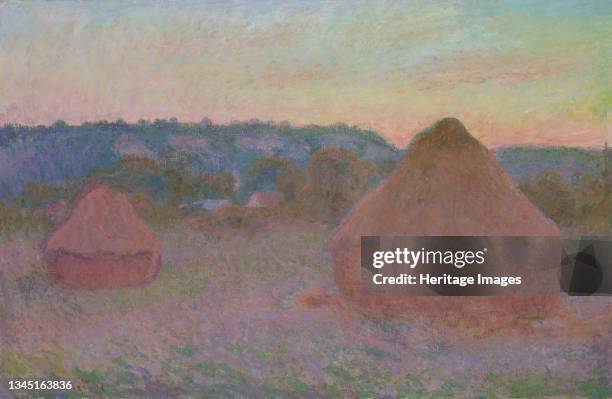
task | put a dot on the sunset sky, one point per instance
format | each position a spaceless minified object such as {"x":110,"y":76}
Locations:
{"x":534,"y":72}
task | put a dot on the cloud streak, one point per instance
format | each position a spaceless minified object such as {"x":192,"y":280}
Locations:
{"x":392,"y":66}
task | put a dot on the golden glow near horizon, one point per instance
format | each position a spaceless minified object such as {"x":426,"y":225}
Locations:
{"x":534,"y":72}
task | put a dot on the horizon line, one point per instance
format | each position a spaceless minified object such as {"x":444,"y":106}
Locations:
{"x":208,"y":122}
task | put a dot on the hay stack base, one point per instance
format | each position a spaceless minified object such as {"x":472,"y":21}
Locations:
{"x":103,"y":270}
{"x":448,"y":184}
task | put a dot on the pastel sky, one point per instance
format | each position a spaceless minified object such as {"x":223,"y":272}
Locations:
{"x":535,"y":72}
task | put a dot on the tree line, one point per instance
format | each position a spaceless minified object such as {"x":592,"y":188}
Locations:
{"x":332,"y":181}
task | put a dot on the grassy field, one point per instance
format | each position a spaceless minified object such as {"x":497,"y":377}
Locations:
{"x":244,"y":314}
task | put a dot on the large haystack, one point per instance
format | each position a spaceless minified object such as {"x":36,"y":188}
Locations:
{"x":448,"y":184}
{"x":102,"y":244}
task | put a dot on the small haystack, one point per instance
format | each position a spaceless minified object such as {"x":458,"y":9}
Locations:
{"x":448,"y":184}
{"x":102,"y":244}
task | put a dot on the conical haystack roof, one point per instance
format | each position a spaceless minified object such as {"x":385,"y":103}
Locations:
{"x":102,"y":243}
{"x":103,"y":220}
{"x":448,"y":184}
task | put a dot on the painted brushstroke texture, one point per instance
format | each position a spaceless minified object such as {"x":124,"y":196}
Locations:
{"x":516,"y":71}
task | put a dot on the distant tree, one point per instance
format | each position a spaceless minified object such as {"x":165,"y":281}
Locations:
{"x":594,"y":203}
{"x":226,"y":183}
{"x":36,"y":194}
{"x":136,"y":165}
{"x":290,"y":182}
{"x":336,"y":180}
{"x":143,"y":203}
{"x":177,"y":158}
{"x":282,"y":174}
{"x":60,"y":124}
{"x":591,"y":186}
{"x":206,"y":121}
{"x":210,"y":186}
{"x":180,"y":183}
{"x":384,"y":167}
{"x":134,"y":173}
{"x":266,"y":170}
{"x":549,"y":192}
{"x":6,"y":190}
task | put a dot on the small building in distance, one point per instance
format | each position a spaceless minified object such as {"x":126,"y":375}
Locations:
{"x":207,"y":205}
{"x":262,"y":199}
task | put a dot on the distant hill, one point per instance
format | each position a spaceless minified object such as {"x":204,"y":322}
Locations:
{"x":57,"y":153}
{"x":524,"y":163}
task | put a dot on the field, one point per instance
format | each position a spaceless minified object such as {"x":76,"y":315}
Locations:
{"x":191,"y":191}
{"x":239,"y":313}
